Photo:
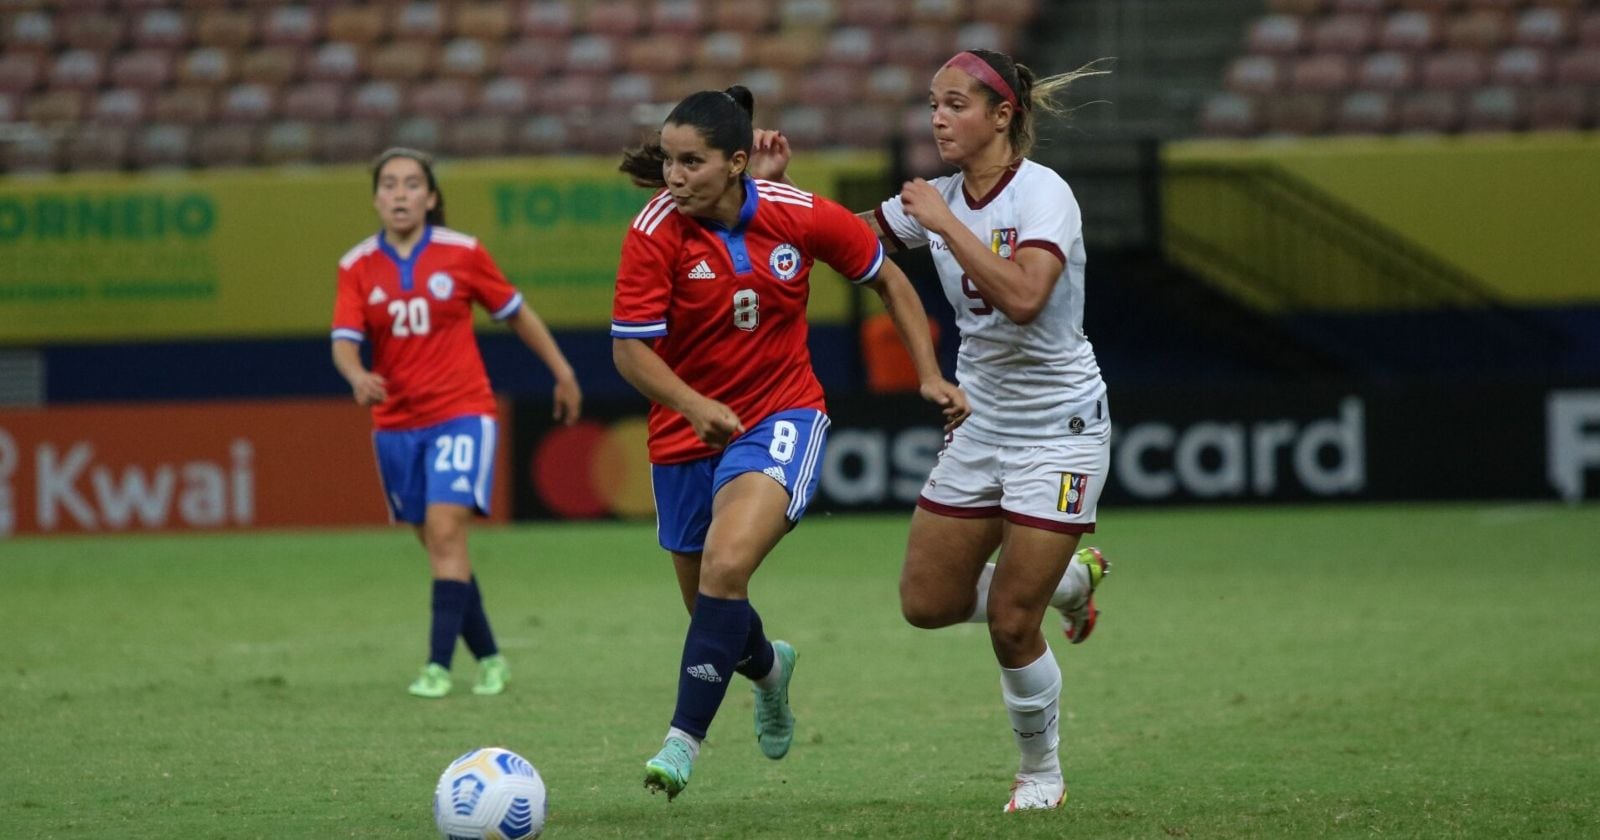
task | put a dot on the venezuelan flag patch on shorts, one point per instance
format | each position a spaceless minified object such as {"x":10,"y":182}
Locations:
{"x":1073,"y":487}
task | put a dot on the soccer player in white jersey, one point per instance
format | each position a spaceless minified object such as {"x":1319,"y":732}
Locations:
{"x":1025,"y":472}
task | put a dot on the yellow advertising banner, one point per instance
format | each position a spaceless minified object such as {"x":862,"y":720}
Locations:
{"x":253,"y":253}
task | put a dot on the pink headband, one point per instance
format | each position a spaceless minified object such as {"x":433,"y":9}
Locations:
{"x":979,"y":69}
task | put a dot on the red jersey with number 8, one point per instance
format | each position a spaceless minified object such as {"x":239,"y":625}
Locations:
{"x":417,"y":312}
{"x":726,"y":307}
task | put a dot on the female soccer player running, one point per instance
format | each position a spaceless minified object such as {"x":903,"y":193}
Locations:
{"x":709,"y":323}
{"x":410,"y":289}
{"x":1024,"y":474}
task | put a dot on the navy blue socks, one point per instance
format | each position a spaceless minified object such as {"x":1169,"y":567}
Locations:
{"x":475,"y":625}
{"x":719,"y":632}
{"x":756,"y":660}
{"x":450,"y":599}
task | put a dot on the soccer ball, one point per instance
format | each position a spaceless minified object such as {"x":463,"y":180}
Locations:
{"x":490,"y":794}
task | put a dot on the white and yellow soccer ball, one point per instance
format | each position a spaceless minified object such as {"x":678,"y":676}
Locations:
{"x":490,"y":794}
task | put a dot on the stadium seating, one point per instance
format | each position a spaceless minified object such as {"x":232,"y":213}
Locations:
{"x":1385,"y":66}
{"x":137,"y":83}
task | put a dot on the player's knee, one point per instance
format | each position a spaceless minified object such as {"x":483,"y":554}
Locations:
{"x":928,"y":613}
{"x":1011,"y":632}
{"x":724,"y":577}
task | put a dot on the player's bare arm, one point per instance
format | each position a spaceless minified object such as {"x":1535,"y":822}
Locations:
{"x":367,"y":387}
{"x":905,"y":309}
{"x":568,"y":397}
{"x":1018,"y":288}
{"x":715,"y":424}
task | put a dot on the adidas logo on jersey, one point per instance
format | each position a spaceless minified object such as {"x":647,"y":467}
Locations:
{"x":377,"y":296}
{"x":704,"y":672}
{"x":461,"y":485}
{"x":777,"y":475}
{"x":702,"y":272}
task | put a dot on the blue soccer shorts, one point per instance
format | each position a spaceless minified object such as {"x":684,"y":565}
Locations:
{"x":447,"y":463}
{"x":786,"y":446}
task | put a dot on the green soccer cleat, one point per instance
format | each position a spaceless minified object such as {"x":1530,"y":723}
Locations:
{"x":774,"y":719}
{"x":1078,"y":620}
{"x":433,"y":683}
{"x":492,"y":675}
{"x":670,"y":769}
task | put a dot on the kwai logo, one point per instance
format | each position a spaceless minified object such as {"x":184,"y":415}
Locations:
{"x":70,"y":485}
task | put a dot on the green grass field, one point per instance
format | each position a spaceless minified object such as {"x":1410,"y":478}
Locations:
{"x":1292,"y":672}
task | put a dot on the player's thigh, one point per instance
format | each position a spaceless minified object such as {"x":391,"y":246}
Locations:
{"x":944,"y":556}
{"x":458,"y":461}
{"x":1032,"y":561}
{"x":747,"y":522}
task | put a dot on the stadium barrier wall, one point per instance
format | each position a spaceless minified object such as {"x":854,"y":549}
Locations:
{"x":1301,"y":445}
{"x":252,"y":253}
{"x":205,"y":466}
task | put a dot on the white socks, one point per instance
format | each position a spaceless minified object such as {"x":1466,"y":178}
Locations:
{"x":1033,"y":701}
{"x":693,"y":742}
{"x":770,"y":681}
{"x":980,"y":610}
{"x":1073,"y":588}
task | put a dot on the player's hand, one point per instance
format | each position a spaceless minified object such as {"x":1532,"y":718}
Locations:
{"x":769,"y":156}
{"x":714,"y":424}
{"x":924,"y":203}
{"x":569,"y":401}
{"x":369,"y":389}
{"x":949,"y":398}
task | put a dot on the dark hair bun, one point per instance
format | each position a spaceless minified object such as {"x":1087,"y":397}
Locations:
{"x":745,"y":98}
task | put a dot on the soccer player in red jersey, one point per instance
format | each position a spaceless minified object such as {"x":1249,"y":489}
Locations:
{"x":409,"y":290}
{"x":709,"y":323}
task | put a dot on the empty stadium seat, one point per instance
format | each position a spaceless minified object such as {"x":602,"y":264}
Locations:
{"x":807,"y":14}
{"x":1520,"y":67}
{"x":506,"y":96}
{"x":656,"y":54}
{"x":163,"y":28}
{"x":92,"y":31}
{"x":1366,"y":112}
{"x":852,"y":46}
{"x":481,"y":136}
{"x":225,"y":145}
{"x":1544,"y":26}
{"x":617,"y":18}
{"x":628,"y":89}
{"x":402,"y":61}
{"x":293,"y":25}
{"x":418,"y":133}
{"x":1276,"y":35}
{"x":829,"y":86}
{"x":804,"y":125}
{"x":225,"y":28}
{"x":336,"y":61}
{"x":771,"y":88}
{"x":77,"y":69}
{"x":1009,"y":13}
{"x":984,"y":35}
{"x":1327,"y":73}
{"x":31,"y":150}
{"x":1562,"y":109}
{"x":161,"y":145}
{"x":247,"y":102}
{"x":376,"y":100}
{"x":919,"y":47}
{"x":20,"y":72}
{"x":873,"y":13}
{"x":119,"y":106}
{"x":207,"y":66}
{"x":145,"y":68}
{"x":936,"y":12}
{"x":419,"y":20}
{"x":289,"y":141}
{"x":1579,"y":67}
{"x":544,"y":19}
{"x":530,"y":58}
{"x":789,"y":49}
{"x":1478,"y":29}
{"x":892,"y":84}
{"x":1386,"y":71}
{"x":54,"y":107}
{"x":744,"y":15}
{"x":466,"y":58}
{"x":569,"y":92}
{"x":313,"y":101}
{"x":9,"y":112}
{"x":592,"y":54}
{"x":1344,"y":33}
{"x":271,"y":65}
{"x":186,"y":105}
{"x":1430,"y":111}
{"x":440,"y":98}
{"x":1298,"y":113}
{"x":1494,"y":109}
{"x":722,"y":51}
{"x":31,"y":30}
{"x":101,"y":148}
{"x":489,"y":21}
{"x":541,"y":135}
{"x":1454,"y":70}
{"x":1254,"y":74}
{"x":1228,"y":115}
{"x":356,"y":24}
{"x":347,"y":142}
{"x":1409,"y":29}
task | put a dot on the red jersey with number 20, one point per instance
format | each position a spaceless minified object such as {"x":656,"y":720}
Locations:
{"x":417,"y":312}
{"x":727,"y":306}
